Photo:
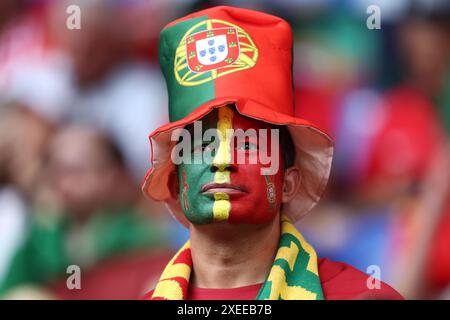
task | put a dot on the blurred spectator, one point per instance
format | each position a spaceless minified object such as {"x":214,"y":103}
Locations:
{"x":373,"y":218}
{"x":95,"y":75}
{"x":83,"y":212}
{"x":9,"y":10}
{"x":389,"y":193}
{"x":23,"y":140}
{"x":33,"y":69}
{"x":24,"y":136}
{"x":423,"y":42}
{"x":328,"y":66}
{"x":110,"y":88}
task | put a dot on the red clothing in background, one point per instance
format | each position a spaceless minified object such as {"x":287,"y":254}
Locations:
{"x":438,"y":268}
{"x":339,"y":281}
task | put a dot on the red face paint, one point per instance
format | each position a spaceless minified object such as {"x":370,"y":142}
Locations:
{"x":262,"y":199}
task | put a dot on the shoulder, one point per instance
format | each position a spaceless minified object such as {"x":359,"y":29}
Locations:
{"x":341,"y":281}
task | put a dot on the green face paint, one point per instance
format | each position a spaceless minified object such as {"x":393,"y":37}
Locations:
{"x":198,"y":207}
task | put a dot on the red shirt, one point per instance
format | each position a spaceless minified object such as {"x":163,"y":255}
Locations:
{"x":339,"y":281}
{"x":241,"y":293}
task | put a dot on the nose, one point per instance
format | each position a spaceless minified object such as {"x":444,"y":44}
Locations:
{"x":222,"y":161}
{"x":222,"y":170}
{"x":222,"y":167}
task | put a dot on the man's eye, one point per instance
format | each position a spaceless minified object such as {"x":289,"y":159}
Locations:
{"x":247,"y":146}
{"x":201,"y":147}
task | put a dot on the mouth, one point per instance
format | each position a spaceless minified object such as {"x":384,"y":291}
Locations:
{"x":228,"y":188}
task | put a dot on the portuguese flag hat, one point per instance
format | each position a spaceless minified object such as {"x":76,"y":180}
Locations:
{"x":226,"y":55}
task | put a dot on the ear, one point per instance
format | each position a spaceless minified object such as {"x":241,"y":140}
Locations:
{"x":291,"y":183}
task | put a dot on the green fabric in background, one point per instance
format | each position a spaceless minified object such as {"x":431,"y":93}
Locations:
{"x":50,"y":246}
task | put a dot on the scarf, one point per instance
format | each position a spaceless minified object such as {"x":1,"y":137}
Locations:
{"x":293,"y":275}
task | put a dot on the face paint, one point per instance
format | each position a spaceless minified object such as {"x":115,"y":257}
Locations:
{"x":185,"y":190}
{"x":197,"y":174}
{"x":262,"y":200}
{"x":221,"y":208}
{"x":271,"y":193}
{"x":226,"y":191}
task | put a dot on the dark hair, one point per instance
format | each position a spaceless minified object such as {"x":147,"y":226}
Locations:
{"x":287,"y":146}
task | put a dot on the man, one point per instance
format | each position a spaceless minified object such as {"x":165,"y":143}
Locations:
{"x":228,"y":71}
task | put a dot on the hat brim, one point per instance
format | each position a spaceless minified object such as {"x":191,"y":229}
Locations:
{"x":314,"y":154}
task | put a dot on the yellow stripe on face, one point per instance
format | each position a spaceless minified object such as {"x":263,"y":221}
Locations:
{"x":223,"y":157}
{"x":222,"y":205}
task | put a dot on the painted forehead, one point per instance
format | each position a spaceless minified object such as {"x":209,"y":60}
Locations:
{"x":238,"y":121}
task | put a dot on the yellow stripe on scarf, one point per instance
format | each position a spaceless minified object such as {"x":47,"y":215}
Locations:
{"x":169,"y":288}
{"x":280,"y":289}
{"x":277,"y":277}
{"x":288,"y":227}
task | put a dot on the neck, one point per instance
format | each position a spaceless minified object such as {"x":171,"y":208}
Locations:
{"x":231,"y":256}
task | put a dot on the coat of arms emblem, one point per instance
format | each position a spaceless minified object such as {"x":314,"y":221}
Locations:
{"x":211,"y":49}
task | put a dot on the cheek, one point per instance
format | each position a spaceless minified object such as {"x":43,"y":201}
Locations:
{"x":263,"y":201}
{"x":184,"y":189}
{"x":196,"y":207}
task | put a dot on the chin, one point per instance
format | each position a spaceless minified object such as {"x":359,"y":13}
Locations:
{"x":250,"y":218}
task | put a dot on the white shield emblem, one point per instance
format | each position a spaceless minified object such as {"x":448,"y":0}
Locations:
{"x":212,"y":50}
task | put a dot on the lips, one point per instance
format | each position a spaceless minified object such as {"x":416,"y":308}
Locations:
{"x":228,"y":188}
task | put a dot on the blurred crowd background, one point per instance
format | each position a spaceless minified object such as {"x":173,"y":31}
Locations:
{"x":76,"y":108}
